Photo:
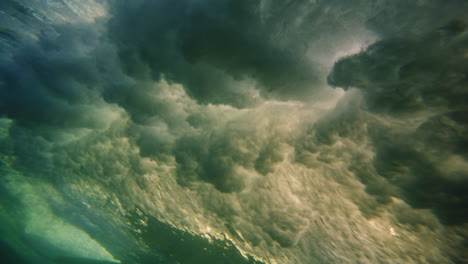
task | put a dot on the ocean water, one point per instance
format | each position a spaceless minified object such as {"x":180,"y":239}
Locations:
{"x":233,"y":131}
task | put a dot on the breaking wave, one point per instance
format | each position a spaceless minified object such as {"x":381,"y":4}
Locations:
{"x":222,"y":131}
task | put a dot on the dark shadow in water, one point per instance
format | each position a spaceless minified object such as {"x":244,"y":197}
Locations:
{"x":9,"y":256}
{"x":177,"y":246}
{"x":81,"y":261}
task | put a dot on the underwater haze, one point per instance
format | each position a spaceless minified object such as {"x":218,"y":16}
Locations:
{"x":233,"y":131}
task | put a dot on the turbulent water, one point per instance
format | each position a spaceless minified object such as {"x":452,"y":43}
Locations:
{"x":233,"y":131}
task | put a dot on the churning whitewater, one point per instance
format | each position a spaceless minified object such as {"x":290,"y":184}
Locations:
{"x":233,"y":131}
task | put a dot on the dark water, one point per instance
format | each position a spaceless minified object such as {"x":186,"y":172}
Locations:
{"x":222,"y":131}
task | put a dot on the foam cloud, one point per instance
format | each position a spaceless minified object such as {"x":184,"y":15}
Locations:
{"x":409,"y":74}
{"x":159,"y":122}
{"x":419,"y":80}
